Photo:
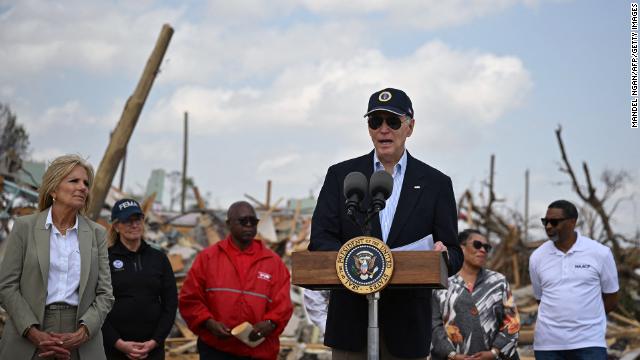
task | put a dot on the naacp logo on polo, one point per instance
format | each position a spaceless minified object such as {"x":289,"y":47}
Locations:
{"x":118,"y":264}
{"x":127,"y":204}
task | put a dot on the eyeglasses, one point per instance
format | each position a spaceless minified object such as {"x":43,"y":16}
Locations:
{"x":477,"y":244}
{"x":247,"y":221}
{"x":553,"y":222}
{"x":394,"y":122}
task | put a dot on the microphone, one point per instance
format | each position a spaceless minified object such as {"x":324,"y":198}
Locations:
{"x":355,"y":187}
{"x":380,"y":188}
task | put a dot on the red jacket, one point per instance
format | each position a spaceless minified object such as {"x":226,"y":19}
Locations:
{"x":214,"y":289}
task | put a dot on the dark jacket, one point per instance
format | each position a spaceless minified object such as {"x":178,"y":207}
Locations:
{"x":426,"y":206}
{"x":146,"y":298}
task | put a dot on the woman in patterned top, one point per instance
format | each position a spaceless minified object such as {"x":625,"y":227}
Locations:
{"x":476,"y":317}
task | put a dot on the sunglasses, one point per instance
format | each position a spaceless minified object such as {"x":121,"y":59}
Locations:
{"x":553,"y":222}
{"x":375,"y":121}
{"x":477,"y":244}
{"x":247,"y":221}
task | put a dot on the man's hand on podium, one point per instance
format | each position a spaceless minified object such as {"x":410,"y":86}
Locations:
{"x":439,"y":246}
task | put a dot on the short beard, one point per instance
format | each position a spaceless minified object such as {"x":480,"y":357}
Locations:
{"x":554,"y":238}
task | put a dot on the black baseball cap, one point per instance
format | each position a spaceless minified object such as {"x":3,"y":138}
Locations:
{"x":124,"y":208}
{"x":392,"y":100}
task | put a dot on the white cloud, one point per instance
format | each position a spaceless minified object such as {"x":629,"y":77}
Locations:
{"x":7,"y":91}
{"x":282,"y":163}
{"x":249,"y":11}
{"x":445,"y":84}
{"x":248,"y":71}
{"x":57,"y":120}
{"x":210,"y":110}
{"x":160,"y":152}
{"x":37,"y":36}
{"x":98,"y":37}
{"x":46,"y":154}
{"x":420,"y":14}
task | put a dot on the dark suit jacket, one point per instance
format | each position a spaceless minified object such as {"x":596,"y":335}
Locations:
{"x":426,"y":206}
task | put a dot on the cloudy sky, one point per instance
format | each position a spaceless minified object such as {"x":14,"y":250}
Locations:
{"x":277,"y":89}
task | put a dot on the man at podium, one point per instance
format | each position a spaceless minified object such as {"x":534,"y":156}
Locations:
{"x":420,"y":211}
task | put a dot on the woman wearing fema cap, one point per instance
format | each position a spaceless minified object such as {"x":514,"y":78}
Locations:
{"x":54,"y":280}
{"x":144,"y":288}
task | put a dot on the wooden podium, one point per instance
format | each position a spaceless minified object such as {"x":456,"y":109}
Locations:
{"x":316,"y":270}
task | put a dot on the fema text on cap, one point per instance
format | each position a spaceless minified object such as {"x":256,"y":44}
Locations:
{"x":127,"y":204}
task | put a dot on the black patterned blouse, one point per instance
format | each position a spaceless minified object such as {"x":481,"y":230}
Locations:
{"x":475,"y":318}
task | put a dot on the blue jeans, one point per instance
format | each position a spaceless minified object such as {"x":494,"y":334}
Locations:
{"x":588,"y":353}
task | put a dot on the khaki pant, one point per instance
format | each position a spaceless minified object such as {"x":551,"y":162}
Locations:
{"x":60,"y":321}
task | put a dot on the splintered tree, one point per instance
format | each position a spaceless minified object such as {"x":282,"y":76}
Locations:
{"x":503,"y":226}
{"x":14,"y":140}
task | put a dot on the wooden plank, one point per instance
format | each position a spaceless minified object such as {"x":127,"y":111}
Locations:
{"x":624,"y":319}
{"x":199,"y":200}
{"x":317,"y":270}
{"x":177,"y":264}
{"x":525,"y":337}
{"x":147,"y":203}
{"x":184,"y":347}
{"x":184,"y":330}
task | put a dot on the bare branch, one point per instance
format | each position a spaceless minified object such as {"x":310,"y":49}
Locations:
{"x":567,"y":165}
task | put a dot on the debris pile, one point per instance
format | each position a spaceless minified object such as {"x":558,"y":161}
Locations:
{"x":286,"y":230}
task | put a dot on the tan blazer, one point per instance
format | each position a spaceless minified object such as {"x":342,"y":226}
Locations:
{"x":23,"y":284}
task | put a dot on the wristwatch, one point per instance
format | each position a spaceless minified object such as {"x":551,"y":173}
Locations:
{"x":452,"y":355}
{"x":495,"y":353}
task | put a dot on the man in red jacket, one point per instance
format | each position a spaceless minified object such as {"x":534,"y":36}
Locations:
{"x":233,"y":281}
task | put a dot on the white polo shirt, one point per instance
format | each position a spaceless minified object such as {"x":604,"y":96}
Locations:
{"x":570,"y":286}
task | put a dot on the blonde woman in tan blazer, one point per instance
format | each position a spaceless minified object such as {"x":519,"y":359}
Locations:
{"x":55,"y":282}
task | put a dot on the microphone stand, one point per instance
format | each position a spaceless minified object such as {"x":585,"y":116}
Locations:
{"x":373,"y":330}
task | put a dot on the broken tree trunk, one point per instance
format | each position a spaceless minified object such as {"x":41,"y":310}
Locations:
{"x":122,"y":133}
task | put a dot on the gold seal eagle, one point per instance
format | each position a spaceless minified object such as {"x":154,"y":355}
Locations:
{"x":364,"y":264}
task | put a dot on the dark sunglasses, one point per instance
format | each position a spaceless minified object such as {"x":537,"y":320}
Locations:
{"x":553,"y":222}
{"x":477,"y":244}
{"x":375,"y":121}
{"x":247,"y":221}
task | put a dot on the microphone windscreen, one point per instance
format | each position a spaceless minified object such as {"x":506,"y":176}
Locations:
{"x":355,"y":183}
{"x":381,"y":182}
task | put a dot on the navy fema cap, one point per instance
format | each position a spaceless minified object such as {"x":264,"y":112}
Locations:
{"x":124,"y":208}
{"x":392,"y":100}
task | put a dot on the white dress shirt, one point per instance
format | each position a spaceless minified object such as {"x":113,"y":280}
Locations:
{"x":64,"y":264}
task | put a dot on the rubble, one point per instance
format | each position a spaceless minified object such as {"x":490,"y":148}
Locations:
{"x":286,"y":230}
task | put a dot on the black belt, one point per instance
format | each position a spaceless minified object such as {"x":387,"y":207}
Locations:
{"x":60,"y":306}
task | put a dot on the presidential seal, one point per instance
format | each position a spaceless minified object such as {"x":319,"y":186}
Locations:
{"x":384,"y":96}
{"x":364,"y":265}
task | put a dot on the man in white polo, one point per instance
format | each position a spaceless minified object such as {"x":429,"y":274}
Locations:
{"x":575,"y":281}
